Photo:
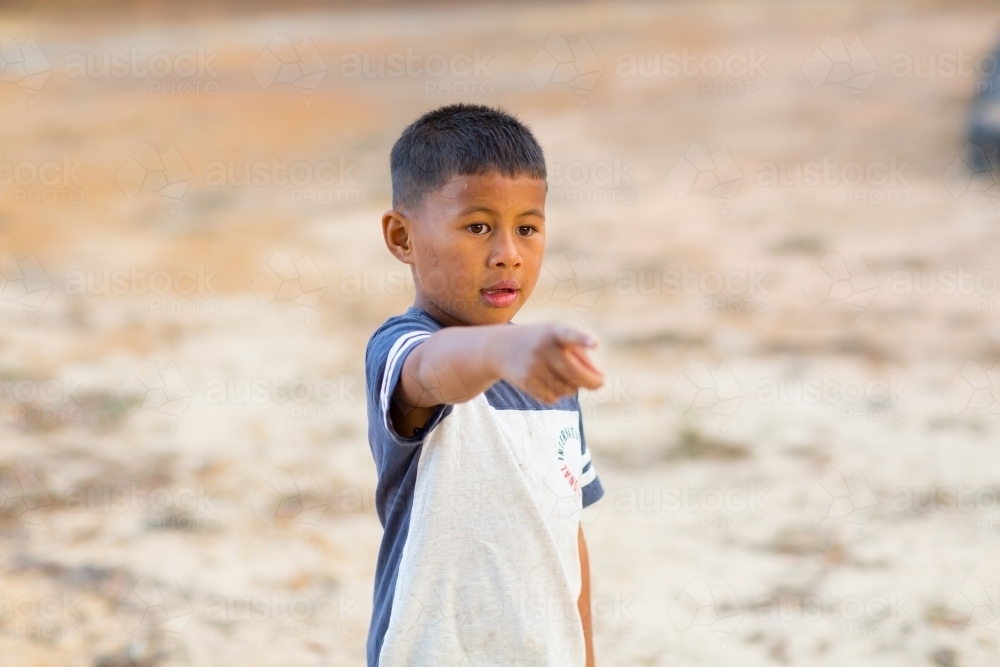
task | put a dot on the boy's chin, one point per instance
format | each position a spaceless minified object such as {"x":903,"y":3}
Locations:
{"x":491,"y":314}
{"x":497,"y":316}
{"x":478,"y":312}
{"x":485,"y":314}
{"x":471,"y":309}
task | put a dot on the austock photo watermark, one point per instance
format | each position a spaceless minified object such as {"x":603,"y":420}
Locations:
{"x":284,"y":62}
{"x":23,"y":281}
{"x":717,"y":392}
{"x":836,"y":280}
{"x":878,"y":182}
{"x":975,"y":172}
{"x":154,"y":608}
{"x":848,"y":61}
{"x":163,"y":388}
{"x":162,"y":607}
{"x":563,"y":62}
{"x":23,"y":63}
{"x":714,"y":610}
{"x":839,"y":61}
{"x":366,"y":282}
{"x":975,"y":607}
{"x":734,"y":73}
{"x":946,"y":65}
{"x":53,"y":401}
{"x":848,"y":279}
{"x":612,"y":616}
{"x":707,"y":608}
{"x":330,"y":616}
{"x":183,"y":291}
{"x":149,"y":169}
{"x":177,"y":73}
{"x":156,"y":387}
{"x":979,"y":503}
{"x":974,"y":389}
{"x":567,"y":280}
{"x":735,"y":290}
{"x":843,"y":61}
{"x":181,"y":507}
{"x":848,"y":497}
{"x":306,"y":182}
{"x":453,"y":75}
{"x":613,"y":402}
{"x":288,"y":278}
{"x":42,"y":182}
{"x":184,"y":507}
{"x":185,"y":73}
{"x":325,"y":182}
{"x":23,"y":497}
{"x":713,"y":172}
{"x":175,"y":507}
{"x":865,"y":399}
{"x":709,"y":389}
{"x":324,"y":399}
{"x":736,"y":508}
{"x":593,"y":182}
{"x":41,"y":617}
{"x":297,"y":497}
{"x":717,"y":173}
{"x":979,"y":287}
{"x":858,"y":617}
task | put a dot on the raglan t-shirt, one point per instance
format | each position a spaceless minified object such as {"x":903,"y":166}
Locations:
{"x":479,"y":561}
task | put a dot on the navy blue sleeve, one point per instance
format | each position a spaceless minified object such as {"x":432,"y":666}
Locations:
{"x":387,"y":350}
{"x":592,"y":489}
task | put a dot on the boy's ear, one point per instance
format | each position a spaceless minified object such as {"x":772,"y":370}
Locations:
{"x":396,"y":232}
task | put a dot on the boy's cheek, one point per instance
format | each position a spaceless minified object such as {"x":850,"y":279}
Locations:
{"x":526,"y":292}
{"x":529,"y":278}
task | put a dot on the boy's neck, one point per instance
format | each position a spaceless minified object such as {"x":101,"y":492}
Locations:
{"x":432,"y":309}
{"x":443,"y":318}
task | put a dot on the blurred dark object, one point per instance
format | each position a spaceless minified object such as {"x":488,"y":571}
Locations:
{"x":984,"y":123}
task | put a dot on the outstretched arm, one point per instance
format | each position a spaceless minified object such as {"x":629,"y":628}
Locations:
{"x":456,"y":364}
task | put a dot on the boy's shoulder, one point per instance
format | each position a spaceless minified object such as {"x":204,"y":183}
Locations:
{"x":411,"y":316}
{"x":412,"y":320}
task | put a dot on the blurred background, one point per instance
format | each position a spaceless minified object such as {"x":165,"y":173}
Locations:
{"x":781,"y":219}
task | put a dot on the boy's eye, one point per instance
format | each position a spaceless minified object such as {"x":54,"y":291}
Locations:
{"x":478,"y":228}
{"x":526,"y":230}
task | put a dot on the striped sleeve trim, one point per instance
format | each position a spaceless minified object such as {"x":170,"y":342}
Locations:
{"x":392,"y":370}
{"x":588,"y":471}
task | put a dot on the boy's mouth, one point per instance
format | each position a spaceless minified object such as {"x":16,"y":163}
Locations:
{"x":500,"y":294}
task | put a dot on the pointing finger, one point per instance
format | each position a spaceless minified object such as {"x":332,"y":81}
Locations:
{"x":569,"y":336}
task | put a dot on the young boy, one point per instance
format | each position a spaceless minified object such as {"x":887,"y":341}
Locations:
{"x":474,"y":422}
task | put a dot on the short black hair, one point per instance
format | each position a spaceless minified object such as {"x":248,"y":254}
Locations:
{"x":462,"y":140}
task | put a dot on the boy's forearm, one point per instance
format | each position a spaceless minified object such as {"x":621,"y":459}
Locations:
{"x":453,"y":365}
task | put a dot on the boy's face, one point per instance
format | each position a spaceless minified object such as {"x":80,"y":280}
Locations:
{"x":475,"y":245}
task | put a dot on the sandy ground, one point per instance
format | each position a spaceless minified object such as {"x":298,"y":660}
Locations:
{"x":792,"y":272}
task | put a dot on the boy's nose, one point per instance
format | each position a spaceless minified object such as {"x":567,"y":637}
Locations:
{"x":505,"y":252}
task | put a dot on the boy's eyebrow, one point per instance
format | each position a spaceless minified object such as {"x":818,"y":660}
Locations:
{"x":486,"y":209}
